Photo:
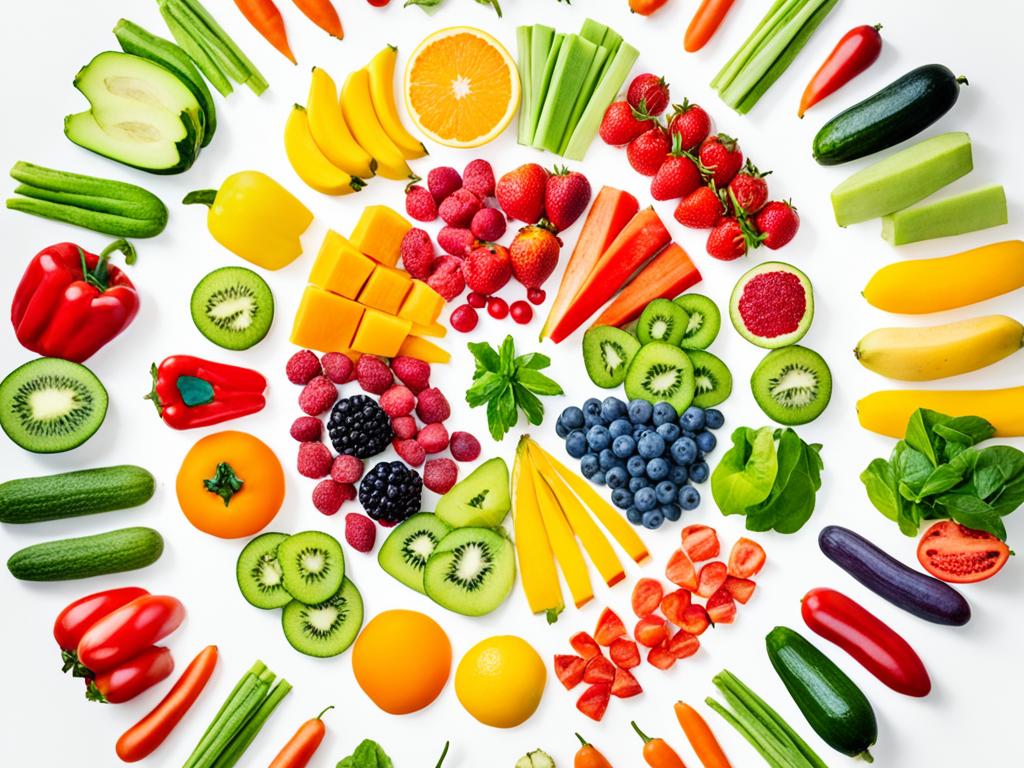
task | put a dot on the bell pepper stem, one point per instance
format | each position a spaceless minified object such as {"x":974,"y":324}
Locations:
{"x":225,"y":483}
{"x":324,"y":712}
{"x":153,"y":396}
{"x":444,"y":754}
{"x":97,"y":276}
{"x":640,"y":733}
{"x":204,"y":196}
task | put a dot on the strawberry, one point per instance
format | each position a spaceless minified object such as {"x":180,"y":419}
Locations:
{"x":566,"y":196}
{"x":700,"y":542}
{"x":680,"y":571}
{"x":520,"y":193}
{"x":487,"y":268}
{"x":584,"y":645}
{"x":648,"y":93}
{"x":682,"y":644}
{"x":648,"y":151}
{"x":673,"y":605}
{"x":748,"y":190}
{"x":777,"y":222}
{"x":711,"y":578}
{"x":701,"y":209}
{"x":661,"y":657}
{"x":533,"y":255}
{"x":594,"y":701}
{"x":621,"y":124}
{"x":721,"y":607}
{"x":609,"y":628}
{"x":569,"y":670}
{"x":651,"y":631}
{"x":691,"y":123}
{"x":695,"y":619}
{"x":678,"y":176}
{"x":647,"y":594}
{"x":598,"y":670}
{"x":721,"y":156}
{"x":624,"y":685}
{"x":729,"y":240}
{"x":740,"y":589}
{"x":624,"y":653}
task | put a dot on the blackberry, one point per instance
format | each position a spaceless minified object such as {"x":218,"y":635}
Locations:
{"x":390,"y":492}
{"x":359,"y":427}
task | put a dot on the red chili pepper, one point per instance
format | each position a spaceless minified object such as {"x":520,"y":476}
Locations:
{"x":855,"y":52}
{"x":120,"y":635}
{"x":75,"y":620}
{"x":870,"y":641}
{"x":126,"y":681}
{"x":191,"y":392}
{"x":70,"y":302}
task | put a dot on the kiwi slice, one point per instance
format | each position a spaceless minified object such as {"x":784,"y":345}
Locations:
{"x":471,"y":572}
{"x":705,"y":320}
{"x":712,"y":379}
{"x":607,"y":352}
{"x":312,"y":566}
{"x":51,"y":405}
{"x":662,"y":320}
{"x":326,"y":628}
{"x":259,"y":573}
{"x":661,"y":371}
{"x":792,"y":385}
{"x":407,"y":548}
{"x":479,"y":500}
{"x":233,"y":307}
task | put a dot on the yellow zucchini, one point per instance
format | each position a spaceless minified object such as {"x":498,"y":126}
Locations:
{"x":888,"y":412}
{"x":536,"y":560}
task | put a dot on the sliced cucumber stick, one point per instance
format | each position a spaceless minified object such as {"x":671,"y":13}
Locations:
{"x":967,"y":212}
{"x":574,"y":60}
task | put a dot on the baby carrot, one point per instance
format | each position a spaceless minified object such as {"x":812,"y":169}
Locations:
{"x":322,"y":13}
{"x":703,"y":741}
{"x":300,"y":749}
{"x":267,"y":20}
{"x":705,"y":23}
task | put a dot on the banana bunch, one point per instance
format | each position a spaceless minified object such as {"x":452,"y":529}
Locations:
{"x":336,"y":144}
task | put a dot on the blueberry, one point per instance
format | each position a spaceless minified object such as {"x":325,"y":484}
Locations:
{"x":664,"y":413}
{"x":572,"y":417}
{"x":640,"y":411}
{"x":607,"y":459}
{"x":636,"y":467}
{"x":666,"y":491}
{"x":598,"y":478}
{"x":638,"y":433}
{"x":624,"y":446}
{"x":620,"y":427}
{"x":657,"y":469}
{"x":693,"y":419}
{"x":616,"y":477}
{"x":713,"y":418}
{"x":576,"y":444}
{"x":689,"y":497}
{"x":684,"y":451}
{"x":669,"y":432}
{"x":706,"y":441}
{"x":652,"y":519}
{"x":598,"y":437}
{"x":593,"y":420}
{"x":589,"y":465}
{"x":634,"y":515}
{"x":636,"y":483}
{"x":678,"y":474}
{"x":645,"y":499}
{"x":560,"y":429}
{"x":592,"y":407}
{"x":671,"y":511}
{"x":612,"y":408}
{"x":622,"y":498}
{"x":699,"y":471}
{"x":651,"y":445}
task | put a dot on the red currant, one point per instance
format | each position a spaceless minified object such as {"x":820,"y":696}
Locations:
{"x":378,"y":3}
{"x":497,"y":308}
{"x":521,"y":312}
{"x":464,"y":318}
{"x":536,"y":296}
{"x":477,"y":300}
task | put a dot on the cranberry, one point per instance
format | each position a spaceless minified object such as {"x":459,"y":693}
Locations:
{"x":477,"y":300}
{"x":464,"y":318}
{"x":536,"y":296}
{"x":497,"y":308}
{"x":521,"y":312}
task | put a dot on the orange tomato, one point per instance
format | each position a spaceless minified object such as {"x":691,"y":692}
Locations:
{"x":230,"y":485}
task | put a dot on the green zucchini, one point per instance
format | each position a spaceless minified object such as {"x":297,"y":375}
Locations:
{"x":71,"y":494}
{"x":899,"y":111}
{"x":113,"y":552}
{"x":834,"y":706}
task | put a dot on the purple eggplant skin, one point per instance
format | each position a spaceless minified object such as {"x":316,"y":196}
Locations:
{"x":918,"y":593}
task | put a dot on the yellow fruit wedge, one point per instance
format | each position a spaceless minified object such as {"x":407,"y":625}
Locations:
{"x":330,"y":131}
{"x":563,"y":542}
{"x":310,"y":163}
{"x":536,"y":560}
{"x":357,"y":107}
{"x":618,"y":526}
{"x":594,"y":542}
{"x":382,"y":91}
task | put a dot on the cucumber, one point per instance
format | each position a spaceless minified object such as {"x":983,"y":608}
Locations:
{"x":571,"y":69}
{"x":834,"y":706}
{"x":967,"y":212}
{"x":125,"y":549}
{"x":71,"y":494}
{"x":899,"y":111}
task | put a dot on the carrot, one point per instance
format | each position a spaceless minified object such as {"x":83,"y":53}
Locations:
{"x":267,"y":20}
{"x":322,"y":13}
{"x":300,"y":749}
{"x":703,"y":741}
{"x":705,"y":23}
{"x":149,"y":733}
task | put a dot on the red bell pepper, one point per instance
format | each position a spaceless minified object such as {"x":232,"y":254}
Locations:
{"x":191,"y":392}
{"x":70,"y":302}
{"x":75,"y":620}
{"x":856,"y":51}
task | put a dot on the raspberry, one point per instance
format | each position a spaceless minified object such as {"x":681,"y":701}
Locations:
{"x":398,"y":401}
{"x":410,"y":451}
{"x":488,"y":224}
{"x":478,"y":178}
{"x":417,"y":253}
{"x":314,"y":460}
{"x":464,"y":318}
{"x":432,"y":407}
{"x":464,"y":446}
{"x":302,"y":367}
{"x":404,"y":427}
{"x":419,"y":203}
{"x":360,"y":532}
{"x":328,"y":496}
{"x":459,"y":208}
{"x":373,"y":375}
{"x":456,"y":241}
{"x":346,"y":469}
{"x":433,"y":438}
{"x":447,"y":277}
{"x":415,"y":374}
{"x":442,"y":182}
{"x":439,"y":475}
{"x":318,"y":396}
{"x":306,"y":428}
{"x":339,"y":367}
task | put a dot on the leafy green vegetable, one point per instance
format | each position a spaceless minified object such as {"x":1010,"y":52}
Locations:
{"x":507,"y":384}
{"x":746,"y":472}
{"x":369,"y":754}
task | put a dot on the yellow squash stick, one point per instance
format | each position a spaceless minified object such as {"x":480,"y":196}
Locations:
{"x":888,"y":412}
{"x":536,"y":560}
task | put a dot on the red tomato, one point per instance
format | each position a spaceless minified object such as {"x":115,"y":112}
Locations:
{"x":124,"y":633}
{"x":700,"y":542}
{"x":746,"y":559}
{"x":128,"y":680}
{"x":951,"y":552}
{"x":74,"y":620}
{"x":378,"y":3}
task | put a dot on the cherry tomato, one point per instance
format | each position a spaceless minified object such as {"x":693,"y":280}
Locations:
{"x":378,"y":3}
{"x":960,"y":555}
{"x":123,"y":634}
{"x":126,"y":681}
{"x":74,"y":620}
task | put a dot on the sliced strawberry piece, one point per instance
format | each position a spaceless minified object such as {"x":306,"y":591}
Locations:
{"x":593,"y":702}
{"x":609,"y":628}
{"x":661,"y":657}
{"x":700,"y":542}
{"x":569,"y":669}
{"x":651,"y":631}
{"x":673,"y":605}
{"x":712,"y":577}
{"x":721,"y":607}
{"x":695,"y":619}
{"x":598,"y":670}
{"x":680,"y":571}
{"x":682,"y":644}
{"x":624,"y":653}
{"x":746,"y":559}
{"x":647,"y":596}
{"x":625,"y":685}
{"x":585,"y":645}
{"x":740,"y":589}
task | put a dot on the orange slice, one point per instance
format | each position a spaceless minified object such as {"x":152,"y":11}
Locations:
{"x":461,"y":87}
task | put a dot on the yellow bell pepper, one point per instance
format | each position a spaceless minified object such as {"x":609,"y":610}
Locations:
{"x":256,"y":218}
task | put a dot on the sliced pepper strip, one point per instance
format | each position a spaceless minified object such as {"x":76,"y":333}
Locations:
{"x":191,"y":392}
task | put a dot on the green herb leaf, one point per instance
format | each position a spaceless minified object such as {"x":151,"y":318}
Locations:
{"x":538,"y":382}
{"x":507,"y":354}
{"x":999,"y":477}
{"x":912,"y":469}
{"x":529,"y":404}
{"x":487,"y":386}
{"x":485,"y":356}
{"x":533,"y":360}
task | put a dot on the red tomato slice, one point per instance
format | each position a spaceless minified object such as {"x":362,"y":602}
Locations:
{"x":681,"y":571}
{"x":960,"y":555}
{"x":569,"y":669}
{"x":609,"y":628}
{"x":746,"y":559}
{"x":647,"y":596}
{"x":700,"y":542}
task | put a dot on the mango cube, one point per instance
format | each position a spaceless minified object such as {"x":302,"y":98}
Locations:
{"x":339,"y":267}
{"x":422,"y":304}
{"x":379,"y":233}
{"x":380,"y":334}
{"x":424,"y":350}
{"x":325,"y":321}
{"x":434,"y":329}
{"x":385,"y":289}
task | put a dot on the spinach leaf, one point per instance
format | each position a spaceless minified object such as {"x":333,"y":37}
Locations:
{"x":746,"y":472}
{"x":912,"y":469}
{"x":791,"y":501}
{"x":369,"y":754}
{"x":971,"y":511}
{"x":965,"y":431}
{"x":920,"y":433}
{"x":880,"y":482}
{"x":999,"y":477}
{"x":943,"y":478}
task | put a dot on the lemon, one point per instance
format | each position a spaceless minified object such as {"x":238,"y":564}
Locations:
{"x":500,"y":681}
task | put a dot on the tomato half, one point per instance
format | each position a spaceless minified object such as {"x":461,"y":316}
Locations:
{"x":126,"y":681}
{"x":746,"y":559}
{"x":954,"y":553}
{"x":129,"y":630}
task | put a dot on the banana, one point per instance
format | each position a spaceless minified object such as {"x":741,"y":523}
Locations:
{"x":310,"y":163}
{"x":329,"y":130}
{"x":357,"y":107}
{"x":888,"y":412}
{"x":382,"y":91}
{"x":536,"y":560}
{"x":923,"y":354}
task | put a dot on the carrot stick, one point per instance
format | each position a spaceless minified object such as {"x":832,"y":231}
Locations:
{"x":703,"y":741}
{"x":705,"y":23}
{"x":322,"y":13}
{"x":267,"y":20}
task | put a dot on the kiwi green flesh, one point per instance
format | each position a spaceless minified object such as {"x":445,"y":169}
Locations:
{"x":312,"y":566}
{"x":326,"y":628}
{"x":407,"y":548}
{"x":50,"y":405}
{"x":661,"y":371}
{"x":792,"y":385}
{"x":607,"y":352}
{"x":481,"y":499}
{"x":233,"y":307}
{"x":705,"y":320}
{"x":259,"y":575}
{"x":471,"y":572}
{"x":662,"y":320}
{"x":712,"y":379}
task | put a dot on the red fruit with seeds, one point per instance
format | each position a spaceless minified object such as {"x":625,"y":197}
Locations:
{"x":487,"y":268}
{"x":306,"y":428}
{"x":446,"y":277}
{"x":700,"y":542}
{"x":778,"y":223}
{"x":373,"y":375}
{"x":536,"y":296}
{"x":746,"y":558}
{"x":520,"y":193}
{"x":318,"y":396}
{"x":624,"y":653}
{"x":417,"y":252}
{"x":609,"y":628}
{"x":740,"y":589}
{"x":680,"y":571}
{"x":360,"y":532}
{"x":585,"y":645}
{"x":521,"y":312}
{"x":456,"y":241}
{"x":651,"y":631}
{"x":624,"y":685}
{"x":328,"y":496}
{"x":701,"y":209}
{"x":409,"y":451}
{"x":464,"y":446}
{"x":691,"y":123}
{"x":566,"y":197}
{"x":476,"y":300}
{"x":598,"y":670}
{"x":674,"y":604}
{"x":569,"y":669}
{"x":497,"y":308}
{"x":338,"y":367}
{"x":648,"y":151}
{"x":648,"y":93}
{"x":711,"y":578}
{"x":464,"y":318}
{"x":661,"y":657}
{"x":721,"y":156}
{"x":682,"y":644}
{"x":721,"y":607}
{"x":397,"y":401}
{"x":433,"y":438}
{"x":533,"y":256}
{"x":647,"y":595}
{"x":442,"y":182}
{"x":678,"y":176}
{"x":302,"y":367}
{"x":695,"y":619}
{"x":347,"y":469}
{"x":594,"y":701}
{"x":488,"y":225}
{"x":432,"y":407}
{"x":621,"y":124}
{"x":314,"y":460}
{"x":440,"y":475}
{"x":478,"y":178}
{"x":404,"y":427}
{"x":459,"y":208}
{"x":728,"y":240}
{"x":420,"y":204}
{"x":415,"y":374}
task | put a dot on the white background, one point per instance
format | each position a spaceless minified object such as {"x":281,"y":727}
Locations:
{"x":976,"y":670}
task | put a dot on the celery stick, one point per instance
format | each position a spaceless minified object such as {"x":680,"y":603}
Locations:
{"x":967,"y":212}
{"x":526,"y":80}
{"x":253,"y":78}
{"x":763,"y":30}
{"x":612,"y":40}
{"x":195,"y":26}
{"x":604,"y":94}
{"x":258,"y":668}
{"x":204,"y":61}
{"x":594,"y":31}
{"x":236,"y":748}
{"x":240,"y":704}
{"x":540,"y":94}
{"x":541,"y":38}
{"x":574,"y":60}
{"x":586,"y":91}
